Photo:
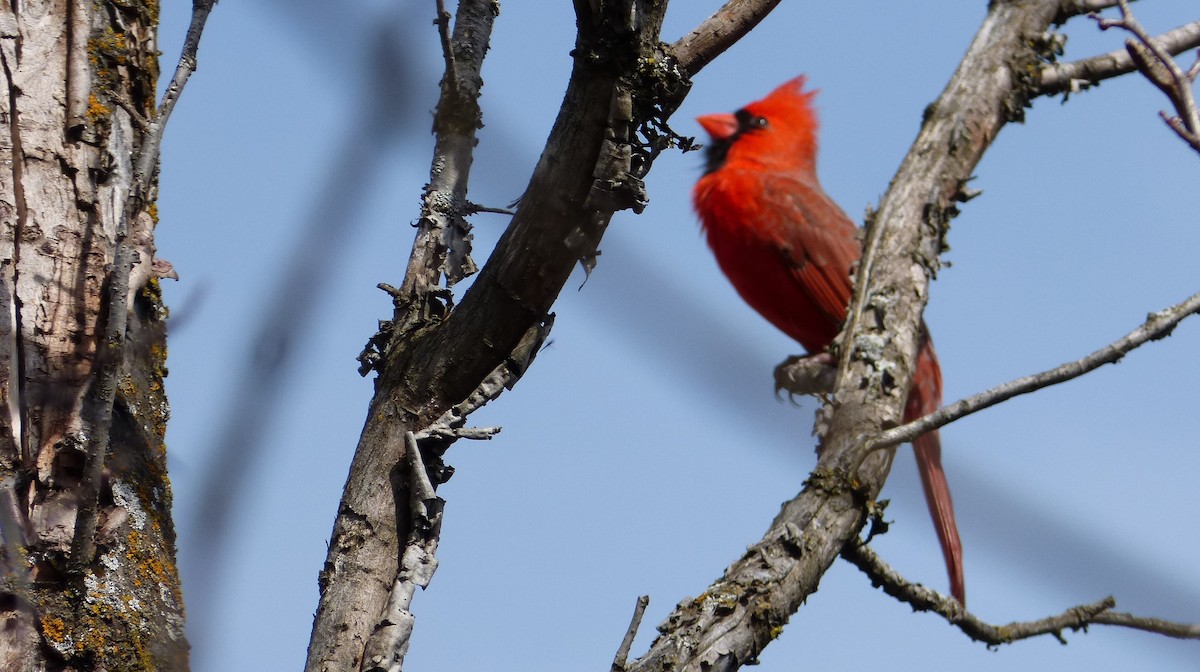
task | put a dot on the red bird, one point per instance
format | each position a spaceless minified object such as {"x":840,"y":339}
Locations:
{"x":788,"y":249}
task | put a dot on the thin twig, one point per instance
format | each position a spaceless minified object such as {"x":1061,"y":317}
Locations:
{"x":1154,"y":625}
{"x":79,"y":72}
{"x":622,"y":657}
{"x":1157,"y":64}
{"x":139,"y":120}
{"x":1072,"y":8}
{"x":1157,"y":325}
{"x":441,"y":248}
{"x":472,"y":208}
{"x":443,"y":23}
{"x":1075,"y":618}
{"x":152,"y":141}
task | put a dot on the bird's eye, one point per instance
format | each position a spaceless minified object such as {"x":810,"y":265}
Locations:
{"x":748,"y":121}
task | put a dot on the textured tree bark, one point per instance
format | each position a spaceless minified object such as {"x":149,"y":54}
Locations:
{"x":73,"y":71}
{"x":435,"y":357}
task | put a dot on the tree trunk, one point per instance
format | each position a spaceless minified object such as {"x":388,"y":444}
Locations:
{"x":90,"y":578}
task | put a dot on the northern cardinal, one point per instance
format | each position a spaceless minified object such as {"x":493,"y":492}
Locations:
{"x":788,"y":249}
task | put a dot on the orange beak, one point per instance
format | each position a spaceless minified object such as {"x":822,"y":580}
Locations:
{"x":719,"y":126}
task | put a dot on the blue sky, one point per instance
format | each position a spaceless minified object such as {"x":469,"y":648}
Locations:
{"x":644,"y":449}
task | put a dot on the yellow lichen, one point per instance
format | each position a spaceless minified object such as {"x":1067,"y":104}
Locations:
{"x":110,"y":44}
{"x":92,"y":639}
{"x":53,"y":628}
{"x":96,"y":109}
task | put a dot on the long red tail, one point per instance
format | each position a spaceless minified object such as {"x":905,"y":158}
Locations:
{"x":924,"y":398}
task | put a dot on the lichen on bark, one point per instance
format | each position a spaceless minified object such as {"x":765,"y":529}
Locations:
{"x":69,"y":166}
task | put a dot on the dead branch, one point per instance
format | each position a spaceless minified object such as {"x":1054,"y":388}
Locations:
{"x":720,"y":31}
{"x":365,"y":594}
{"x":1075,"y":75}
{"x":622,"y":657}
{"x":1076,"y":618}
{"x":433,"y":355}
{"x":1156,"y":63}
{"x":1157,"y":325}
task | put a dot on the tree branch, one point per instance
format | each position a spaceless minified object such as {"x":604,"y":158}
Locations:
{"x":1153,"y":57}
{"x":1157,"y":325}
{"x":443,"y":25}
{"x":147,"y":160}
{"x":363,"y":612}
{"x":622,"y":658}
{"x":1074,"y":75}
{"x":443,"y":241}
{"x":434,"y":355}
{"x":718,"y":32}
{"x":1076,"y":618}
{"x":1071,"y":8}
{"x":1156,"y":63}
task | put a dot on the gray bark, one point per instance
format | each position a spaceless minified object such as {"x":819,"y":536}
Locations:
{"x":72,"y":72}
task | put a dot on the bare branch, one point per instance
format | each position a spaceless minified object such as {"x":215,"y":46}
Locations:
{"x":718,"y":32}
{"x":391,"y":630}
{"x":435,"y":356}
{"x":138,"y":119}
{"x":148,"y":158}
{"x":443,"y":24}
{"x":1154,"y":625}
{"x":1076,"y":618}
{"x":442,"y":244}
{"x":1072,"y":8}
{"x":622,"y":657}
{"x":1176,"y":84}
{"x":1073,"y":75}
{"x":1157,"y":64}
{"x":1157,"y":325}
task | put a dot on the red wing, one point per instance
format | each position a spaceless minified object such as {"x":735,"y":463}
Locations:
{"x":821,"y":245}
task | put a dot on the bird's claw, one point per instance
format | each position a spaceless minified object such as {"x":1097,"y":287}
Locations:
{"x":805,"y":375}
